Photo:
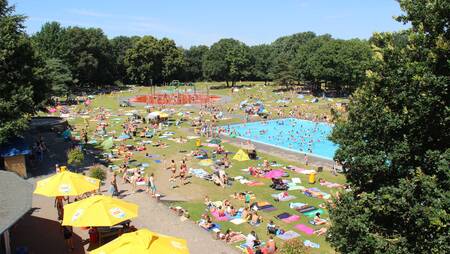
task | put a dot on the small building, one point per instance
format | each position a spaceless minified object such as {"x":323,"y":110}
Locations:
{"x":15,"y":202}
{"x":14,"y":156}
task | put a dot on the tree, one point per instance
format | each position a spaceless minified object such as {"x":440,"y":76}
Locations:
{"x":59,"y":76}
{"x":120,"y":45}
{"x":88,"y":54}
{"x":343,"y":63}
{"x":152,"y":60}
{"x":49,"y":41}
{"x":262,"y":63}
{"x":22,"y":86}
{"x":283,"y":73}
{"x":393,"y":144}
{"x":228,"y":60}
{"x":193,"y":62}
{"x":172,"y":60}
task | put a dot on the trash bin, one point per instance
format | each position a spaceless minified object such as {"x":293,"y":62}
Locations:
{"x":319,"y":169}
{"x":198,"y":143}
{"x":312,"y":178}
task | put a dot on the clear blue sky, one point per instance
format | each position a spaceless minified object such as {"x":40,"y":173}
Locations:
{"x":193,"y":22}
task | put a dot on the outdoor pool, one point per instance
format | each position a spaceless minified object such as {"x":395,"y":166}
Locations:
{"x":293,"y":134}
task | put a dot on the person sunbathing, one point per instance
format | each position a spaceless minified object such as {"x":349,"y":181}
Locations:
{"x":321,"y":231}
{"x":255,"y":219}
{"x":206,"y":222}
{"x":319,"y":221}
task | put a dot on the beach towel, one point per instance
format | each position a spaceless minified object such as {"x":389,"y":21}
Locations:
{"x":306,"y":209}
{"x":296,"y":180}
{"x":238,"y":221}
{"x":274,"y":174}
{"x":157,"y":161}
{"x":283,"y":216}
{"x":295,"y":205}
{"x":305,"y":229}
{"x":291,"y":218}
{"x":308,"y":243}
{"x":219,"y":218}
{"x":268,"y":208}
{"x":282,"y":197}
{"x":293,"y":186}
{"x":312,"y":213}
{"x":288,"y":235}
{"x":331,"y":185}
{"x":254,"y":183}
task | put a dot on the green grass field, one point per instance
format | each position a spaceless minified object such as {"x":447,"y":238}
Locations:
{"x":263,"y":193}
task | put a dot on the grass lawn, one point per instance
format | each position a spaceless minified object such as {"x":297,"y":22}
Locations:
{"x":195,"y":205}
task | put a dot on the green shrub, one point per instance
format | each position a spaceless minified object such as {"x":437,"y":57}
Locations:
{"x":293,"y":246}
{"x":97,"y":173}
{"x":75,"y":157}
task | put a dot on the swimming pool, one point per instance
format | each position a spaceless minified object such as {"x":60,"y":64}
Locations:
{"x":293,"y":134}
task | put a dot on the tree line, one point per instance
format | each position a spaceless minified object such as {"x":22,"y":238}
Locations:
{"x":85,"y":57}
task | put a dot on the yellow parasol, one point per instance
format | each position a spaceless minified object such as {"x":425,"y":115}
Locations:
{"x":98,"y":211}
{"x":144,"y":241}
{"x":66,"y":183}
{"x":241,"y":156}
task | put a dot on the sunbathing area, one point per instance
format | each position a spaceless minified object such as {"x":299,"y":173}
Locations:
{"x":177,"y":156}
{"x":226,"y":127}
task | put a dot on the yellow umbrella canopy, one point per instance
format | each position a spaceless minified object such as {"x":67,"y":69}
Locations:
{"x":241,"y":156}
{"x":98,"y":211}
{"x":66,"y":183}
{"x":144,"y":241}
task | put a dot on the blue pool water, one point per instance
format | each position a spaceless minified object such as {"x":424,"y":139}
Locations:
{"x":293,"y":134}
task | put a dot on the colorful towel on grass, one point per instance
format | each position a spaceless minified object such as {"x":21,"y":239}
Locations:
{"x":288,"y":235}
{"x":238,"y":221}
{"x":331,"y":185}
{"x":198,"y":172}
{"x":302,"y":170}
{"x":283,"y":197}
{"x":317,"y":193}
{"x":254,"y":183}
{"x":305,"y":229}
{"x":313,"y":213}
{"x":283,"y":216}
{"x":276,"y":173}
{"x":291,"y":218}
{"x":219,"y":218}
{"x":295,"y":205}
{"x":308,"y":243}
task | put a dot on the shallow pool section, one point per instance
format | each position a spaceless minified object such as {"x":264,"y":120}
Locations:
{"x":293,"y":134}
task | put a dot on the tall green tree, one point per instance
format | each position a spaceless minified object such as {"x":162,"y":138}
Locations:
{"x":343,"y":63}
{"x":143,"y":61}
{"x":49,"y":41}
{"x":120,"y":45}
{"x":193,"y":62}
{"x":394,"y":143}
{"x":59,"y":77}
{"x":283,"y":73}
{"x":262,"y":62}
{"x":88,"y":54}
{"x":23,"y":87}
{"x":172,"y":60}
{"x":227,"y":60}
